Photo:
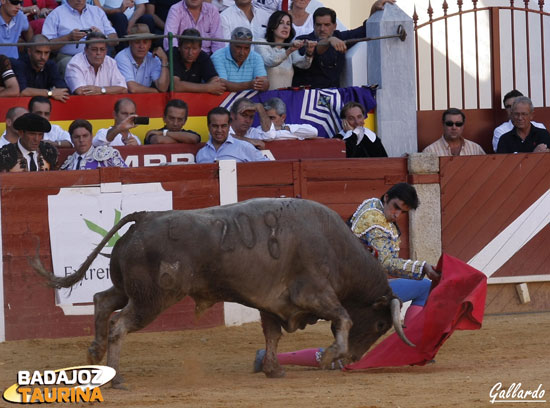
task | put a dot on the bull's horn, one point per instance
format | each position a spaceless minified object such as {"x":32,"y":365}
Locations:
{"x":396,"y":317}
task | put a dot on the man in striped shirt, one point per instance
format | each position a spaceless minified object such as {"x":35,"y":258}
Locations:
{"x":452,"y":143}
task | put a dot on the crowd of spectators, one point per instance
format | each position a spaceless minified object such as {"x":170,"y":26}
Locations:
{"x":131,"y":60}
{"x":305,"y":50}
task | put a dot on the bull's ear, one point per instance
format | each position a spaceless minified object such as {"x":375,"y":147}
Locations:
{"x":381,"y":302}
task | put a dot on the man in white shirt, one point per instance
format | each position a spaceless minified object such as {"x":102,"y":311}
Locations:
{"x":93,"y":72}
{"x":506,"y":127}
{"x":11,"y":135}
{"x":119,"y":134}
{"x":275,"y":109}
{"x":245,"y":13}
{"x":58,"y":137}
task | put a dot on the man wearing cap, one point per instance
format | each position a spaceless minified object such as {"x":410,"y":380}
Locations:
{"x":142,"y":69}
{"x":86,"y":156}
{"x":29,"y":153}
{"x":221,"y":145}
{"x":243,"y":111}
{"x":93,"y":72}
{"x":240,"y":67}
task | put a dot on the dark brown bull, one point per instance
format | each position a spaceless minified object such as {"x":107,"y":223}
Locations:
{"x":294,"y":260}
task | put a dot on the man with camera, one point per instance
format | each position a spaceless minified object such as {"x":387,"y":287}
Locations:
{"x":72,"y":21}
{"x":174,"y":117}
{"x":125,"y":119}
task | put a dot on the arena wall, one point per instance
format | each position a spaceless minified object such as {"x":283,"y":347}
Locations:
{"x":479,"y":199}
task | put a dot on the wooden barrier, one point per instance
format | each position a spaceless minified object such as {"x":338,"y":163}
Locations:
{"x":30,"y":310}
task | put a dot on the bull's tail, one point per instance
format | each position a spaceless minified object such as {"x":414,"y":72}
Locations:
{"x":70,"y":280}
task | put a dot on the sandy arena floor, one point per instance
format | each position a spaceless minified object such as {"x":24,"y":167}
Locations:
{"x":212,"y":368}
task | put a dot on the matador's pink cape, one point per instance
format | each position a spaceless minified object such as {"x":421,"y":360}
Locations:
{"x":457,"y":302}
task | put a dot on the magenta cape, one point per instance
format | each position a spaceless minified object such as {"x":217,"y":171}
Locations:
{"x":457,"y":302}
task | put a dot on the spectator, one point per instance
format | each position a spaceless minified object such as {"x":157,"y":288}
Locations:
{"x":275,"y":109}
{"x":86,"y":156}
{"x":8,"y":82}
{"x":13,"y":24}
{"x":199,"y":15}
{"x":37,"y":74}
{"x":360,"y":141}
{"x":124,"y":14}
{"x":159,"y":9}
{"x":40,"y":105}
{"x":221,"y":145}
{"x":524,"y":137}
{"x":452,"y":143}
{"x":119,"y":134}
{"x":71,"y":21}
{"x":243,"y":111}
{"x":302,"y":21}
{"x":193,"y":69}
{"x":37,"y":11}
{"x":329,"y":56}
{"x":240,"y":67}
{"x":29,"y":153}
{"x":11,"y":135}
{"x":271,"y":6}
{"x":93,"y":72}
{"x":505,"y":127}
{"x":280,"y":61}
{"x":142,"y":69}
{"x":175,"y":116}
{"x":244,"y":13}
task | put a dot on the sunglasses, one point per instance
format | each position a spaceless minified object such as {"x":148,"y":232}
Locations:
{"x":16,"y":2}
{"x":450,"y":123}
{"x":241,"y":34}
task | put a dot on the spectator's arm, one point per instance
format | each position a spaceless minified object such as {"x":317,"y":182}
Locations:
{"x":150,"y":9}
{"x":136,"y":87}
{"x":10,"y":88}
{"x":215,"y":86}
{"x":238,"y":86}
{"x":265,"y":122}
{"x":163,"y":81}
{"x":138,"y":12}
{"x":175,"y":137}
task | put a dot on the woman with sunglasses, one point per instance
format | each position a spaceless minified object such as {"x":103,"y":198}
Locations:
{"x":279,"y":61}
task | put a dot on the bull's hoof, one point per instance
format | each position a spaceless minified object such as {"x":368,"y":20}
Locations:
{"x":118,"y":383}
{"x":95,"y":353}
{"x":277,"y":373}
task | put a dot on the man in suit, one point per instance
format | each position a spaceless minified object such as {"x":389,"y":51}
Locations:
{"x":29,"y":153}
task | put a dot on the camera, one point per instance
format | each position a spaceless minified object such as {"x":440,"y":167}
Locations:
{"x":141,"y":120}
{"x":87,"y":31}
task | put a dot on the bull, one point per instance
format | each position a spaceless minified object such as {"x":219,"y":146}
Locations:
{"x":294,"y":260}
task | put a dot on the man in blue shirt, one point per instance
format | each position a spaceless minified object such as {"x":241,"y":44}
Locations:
{"x":13,"y":24}
{"x":38,"y":75}
{"x":141,"y":68}
{"x":221,"y":146}
{"x":240,"y":67}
